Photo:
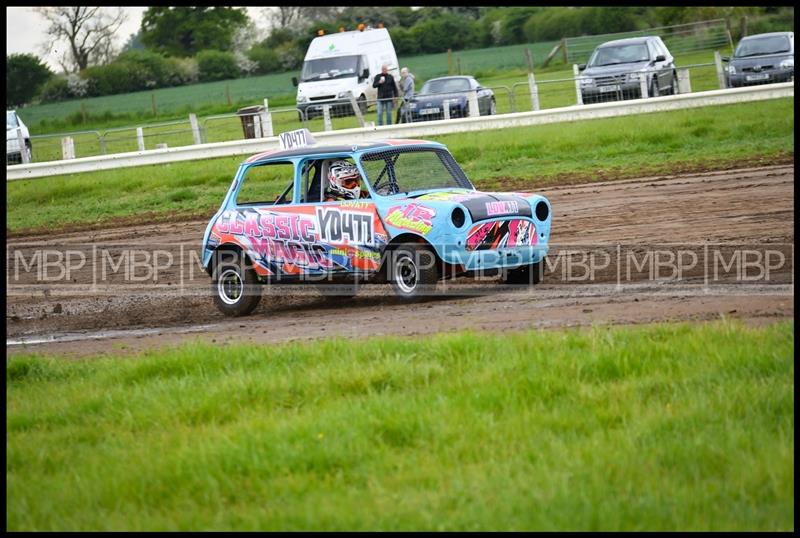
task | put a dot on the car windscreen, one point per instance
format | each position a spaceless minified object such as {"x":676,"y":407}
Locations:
{"x":447,"y":85}
{"x":11,"y":120}
{"x":762,"y":45}
{"x":405,"y":170}
{"x":328,"y":68}
{"x":620,"y":54}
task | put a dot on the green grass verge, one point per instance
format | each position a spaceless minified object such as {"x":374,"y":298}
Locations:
{"x":660,"y":427}
{"x":525,"y":157}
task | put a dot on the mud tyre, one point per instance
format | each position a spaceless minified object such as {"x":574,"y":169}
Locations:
{"x":234,"y":285}
{"x":412,"y":271}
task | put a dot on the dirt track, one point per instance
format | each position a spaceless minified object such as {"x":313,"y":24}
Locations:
{"x":752,"y":206}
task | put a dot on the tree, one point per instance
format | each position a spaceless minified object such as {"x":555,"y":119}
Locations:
{"x":184,"y":31}
{"x":88,"y":31}
{"x":25,"y":75}
{"x":282,"y":17}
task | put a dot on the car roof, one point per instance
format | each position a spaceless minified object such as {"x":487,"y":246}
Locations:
{"x":310,"y":151}
{"x":452,"y":76}
{"x":768,"y":34}
{"x":627,"y":41}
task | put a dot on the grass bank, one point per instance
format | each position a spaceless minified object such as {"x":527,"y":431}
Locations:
{"x":655,"y":427}
{"x":520,"y":158}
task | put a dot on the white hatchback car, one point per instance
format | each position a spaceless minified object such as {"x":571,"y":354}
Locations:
{"x":13,"y":150}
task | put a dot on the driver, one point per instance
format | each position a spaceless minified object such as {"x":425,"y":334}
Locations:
{"x":344,"y":182}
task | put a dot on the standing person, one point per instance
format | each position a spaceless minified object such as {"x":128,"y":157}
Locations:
{"x":387,"y":92}
{"x":407,"y":93}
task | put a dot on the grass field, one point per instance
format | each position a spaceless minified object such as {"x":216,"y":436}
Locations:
{"x":661,"y":427}
{"x":499,"y":68}
{"x":527,"y":157}
{"x":245,"y":91}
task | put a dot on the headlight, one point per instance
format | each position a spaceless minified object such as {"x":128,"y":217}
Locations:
{"x":731,"y":70}
{"x":302,"y":98}
{"x":412,"y":106}
{"x":587,"y":82}
{"x":343,"y":95}
{"x":788,"y":63}
{"x":633,"y":77}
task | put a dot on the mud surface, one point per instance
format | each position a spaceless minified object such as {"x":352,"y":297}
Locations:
{"x":733,"y":207}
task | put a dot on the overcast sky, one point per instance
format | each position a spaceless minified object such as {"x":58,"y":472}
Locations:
{"x":25,"y":29}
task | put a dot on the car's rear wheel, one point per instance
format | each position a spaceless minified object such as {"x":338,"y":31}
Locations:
{"x":412,"y":271}
{"x":235,"y":286}
{"x":527,"y":274}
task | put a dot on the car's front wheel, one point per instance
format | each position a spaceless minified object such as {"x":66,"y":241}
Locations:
{"x":234,"y":285}
{"x":492,"y":107}
{"x":412,"y":271}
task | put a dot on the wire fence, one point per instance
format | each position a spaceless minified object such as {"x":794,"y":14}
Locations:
{"x":551,"y":91}
{"x":679,"y":38}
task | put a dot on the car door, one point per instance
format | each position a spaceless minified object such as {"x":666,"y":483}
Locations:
{"x":349,"y":236}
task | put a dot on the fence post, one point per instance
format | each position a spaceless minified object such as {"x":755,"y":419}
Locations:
{"x":326,"y":114}
{"x":720,"y":72}
{"x":643,"y":85}
{"x":474,"y":110}
{"x":446,"y":109}
{"x":23,"y":149}
{"x":564,"y":53}
{"x":153,"y":103}
{"x":140,"y":138}
{"x":256,"y":126}
{"x":195,"y":128}
{"x":266,"y":120}
{"x":102,"y":140}
{"x":534,"y":91}
{"x":532,"y":81}
{"x":575,"y":72}
{"x":684,"y":84}
{"x":356,"y":108}
{"x":68,"y":147}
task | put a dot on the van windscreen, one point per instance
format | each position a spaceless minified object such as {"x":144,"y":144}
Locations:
{"x":328,"y":68}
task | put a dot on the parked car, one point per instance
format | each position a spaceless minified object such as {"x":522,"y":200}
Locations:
{"x":414,"y":219}
{"x":615,"y":70}
{"x":429,"y":104}
{"x":13,"y":150}
{"x":762,"y":59}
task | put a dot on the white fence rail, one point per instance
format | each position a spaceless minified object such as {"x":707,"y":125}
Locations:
{"x":413,"y":130}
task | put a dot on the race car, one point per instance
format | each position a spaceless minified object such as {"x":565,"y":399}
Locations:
{"x":397,"y":211}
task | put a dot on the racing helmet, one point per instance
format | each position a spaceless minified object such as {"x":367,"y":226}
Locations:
{"x":344,"y":179}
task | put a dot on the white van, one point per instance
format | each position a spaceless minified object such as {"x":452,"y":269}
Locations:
{"x":13,"y":150}
{"x":336,"y":64}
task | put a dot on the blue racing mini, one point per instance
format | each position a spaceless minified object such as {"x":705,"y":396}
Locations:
{"x":398,"y":211}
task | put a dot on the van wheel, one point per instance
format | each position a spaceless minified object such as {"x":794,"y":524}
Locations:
{"x":362,"y":104}
{"x":413,"y":271}
{"x":234,"y":286}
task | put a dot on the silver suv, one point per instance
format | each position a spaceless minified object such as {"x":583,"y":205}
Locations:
{"x":616,"y":68}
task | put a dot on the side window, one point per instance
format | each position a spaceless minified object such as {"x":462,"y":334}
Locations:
{"x":653,"y":50}
{"x":267,"y":184}
{"x":341,"y":180}
{"x":311,"y":181}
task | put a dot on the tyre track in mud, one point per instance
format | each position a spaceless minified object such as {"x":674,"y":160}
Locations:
{"x":748,"y":206}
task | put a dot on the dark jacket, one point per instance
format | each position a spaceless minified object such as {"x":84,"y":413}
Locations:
{"x":388,"y":89}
